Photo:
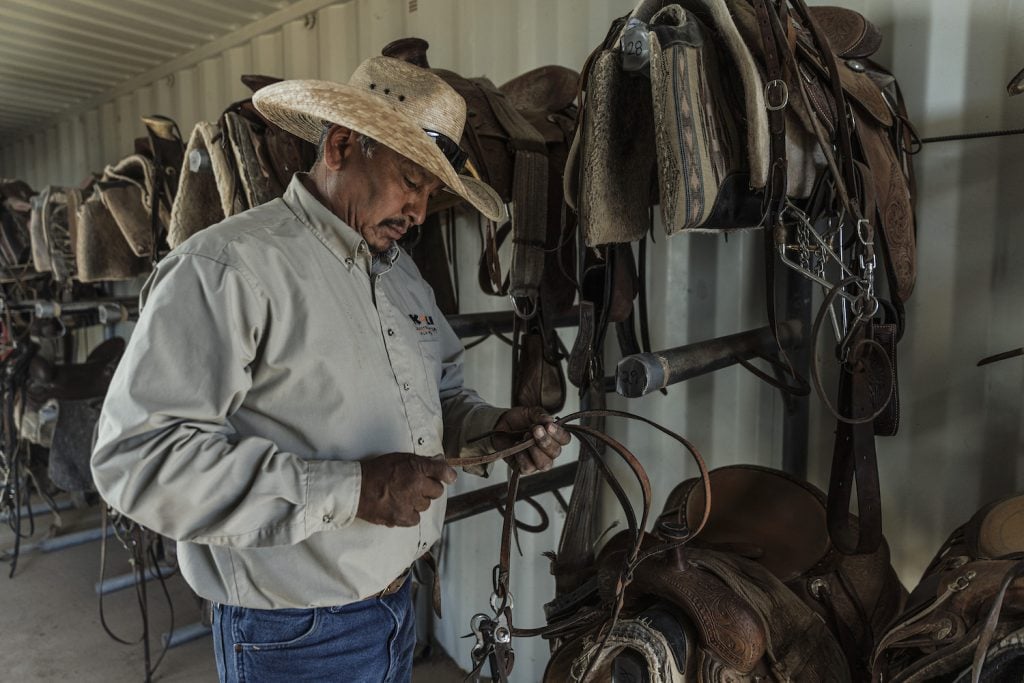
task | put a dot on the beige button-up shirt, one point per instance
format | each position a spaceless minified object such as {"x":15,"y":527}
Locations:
{"x":270,"y":357}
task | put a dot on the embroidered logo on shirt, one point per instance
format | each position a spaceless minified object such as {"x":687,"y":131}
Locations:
{"x":424,"y":323}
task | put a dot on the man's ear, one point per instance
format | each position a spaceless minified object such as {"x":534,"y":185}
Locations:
{"x":338,"y":145}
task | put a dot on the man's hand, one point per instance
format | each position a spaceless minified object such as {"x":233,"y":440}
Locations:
{"x":548,"y":438}
{"x":397,"y":487}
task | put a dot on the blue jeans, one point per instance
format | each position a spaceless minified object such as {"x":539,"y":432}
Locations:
{"x":370,"y":641}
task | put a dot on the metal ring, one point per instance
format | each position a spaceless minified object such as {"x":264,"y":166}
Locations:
{"x":509,"y":602}
{"x":860,"y":231}
{"x":532,"y":311}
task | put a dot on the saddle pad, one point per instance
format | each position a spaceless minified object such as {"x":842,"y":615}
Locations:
{"x":206,"y":193}
{"x":51,"y":245}
{"x":40,"y":249}
{"x":101,"y":251}
{"x":71,"y":446}
{"x":126,"y":189}
{"x":617,"y":153}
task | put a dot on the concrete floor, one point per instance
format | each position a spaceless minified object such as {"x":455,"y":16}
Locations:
{"x":49,"y":615}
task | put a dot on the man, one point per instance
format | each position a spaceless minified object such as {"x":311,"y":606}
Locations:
{"x":289,"y":388}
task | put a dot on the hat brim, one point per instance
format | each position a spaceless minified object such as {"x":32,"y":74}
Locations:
{"x":302,"y":106}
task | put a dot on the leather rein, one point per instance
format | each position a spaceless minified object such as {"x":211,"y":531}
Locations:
{"x":494,"y":633}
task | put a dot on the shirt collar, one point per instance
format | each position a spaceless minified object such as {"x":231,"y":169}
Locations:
{"x":338,"y":236}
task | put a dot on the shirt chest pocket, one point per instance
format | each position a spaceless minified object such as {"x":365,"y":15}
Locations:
{"x":430,"y":353}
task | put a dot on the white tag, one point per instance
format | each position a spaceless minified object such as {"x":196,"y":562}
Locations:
{"x":635,"y":44}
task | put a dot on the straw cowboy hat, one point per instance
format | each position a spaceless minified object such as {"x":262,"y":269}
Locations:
{"x":400,"y":105}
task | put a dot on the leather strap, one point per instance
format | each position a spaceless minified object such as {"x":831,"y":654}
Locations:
{"x":529,"y":196}
{"x":992,"y":620}
{"x":775,"y":47}
{"x":853,"y":459}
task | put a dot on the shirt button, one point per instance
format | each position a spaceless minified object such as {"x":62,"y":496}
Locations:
{"x":406,"y":386}
{"x":328,"y":519}
{"x":420,"y":441}
{"x":391,"y":332}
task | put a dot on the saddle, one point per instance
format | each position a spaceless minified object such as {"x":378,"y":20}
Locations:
{"x":120,"y":220}
{"x":101,"y":251}
{"x":52,"y":250}
{"x":781,"y":523}
{"x":127,"y":190}
{"x":15,"y":215}
{"x":965,"y":618}
{"x":265,"y":157}
{"x":207,"y":191}
{"x":239,"y":162}
{"x":739,"y":622}
{"x":74,"y":381}
{"x":517,"y":137}
{"x":757,"y":594}
{"x":659,"y":74}
{"x":76,"y":391}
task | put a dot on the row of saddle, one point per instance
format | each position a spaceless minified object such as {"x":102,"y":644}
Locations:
{"x":116,"y":224}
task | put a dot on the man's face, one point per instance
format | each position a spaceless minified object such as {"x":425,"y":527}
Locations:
{"x":382,"y":196}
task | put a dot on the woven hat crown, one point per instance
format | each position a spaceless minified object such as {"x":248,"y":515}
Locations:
{"x":417,"y":93}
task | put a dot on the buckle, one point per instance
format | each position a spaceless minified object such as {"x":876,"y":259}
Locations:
{"x":777,"y":85}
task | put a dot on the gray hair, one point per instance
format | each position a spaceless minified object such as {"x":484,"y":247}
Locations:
{"x":366,"y":143}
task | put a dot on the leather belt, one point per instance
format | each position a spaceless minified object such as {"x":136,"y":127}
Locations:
{"x":394,"y":586}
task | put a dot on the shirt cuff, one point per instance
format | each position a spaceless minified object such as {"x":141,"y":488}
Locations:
{"x":480,"y":420}
{"x":332,"y":494}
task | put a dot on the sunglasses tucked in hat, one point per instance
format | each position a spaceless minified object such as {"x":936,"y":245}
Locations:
{"x":402,"y":106}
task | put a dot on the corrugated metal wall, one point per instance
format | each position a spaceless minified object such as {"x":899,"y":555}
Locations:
{"x":960,"y":443}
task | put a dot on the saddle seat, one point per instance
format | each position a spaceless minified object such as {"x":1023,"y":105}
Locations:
{"x":760,"y":514}
{"x":75,"y":381}
{"x":546,"y":88}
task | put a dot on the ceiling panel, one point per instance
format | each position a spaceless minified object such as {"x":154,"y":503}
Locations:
{"x":56,"y":54}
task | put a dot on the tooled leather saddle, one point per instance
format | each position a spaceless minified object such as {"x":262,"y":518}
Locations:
{"x":759,"y":593}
